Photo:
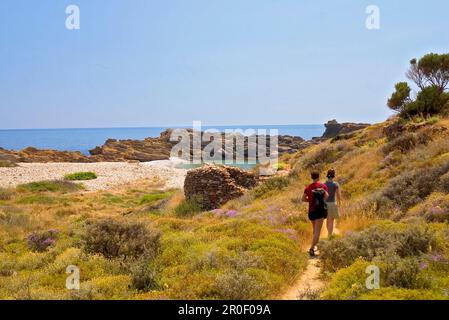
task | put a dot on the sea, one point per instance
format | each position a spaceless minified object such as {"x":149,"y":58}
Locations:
{"x":85,"y":139}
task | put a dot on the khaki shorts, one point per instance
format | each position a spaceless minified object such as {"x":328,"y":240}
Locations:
{"x":332,"y":210}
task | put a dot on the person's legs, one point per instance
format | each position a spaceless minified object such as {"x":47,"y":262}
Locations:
{"x":313,"y":234}
{"x":330,"y":226}
{"x":318,"y":224}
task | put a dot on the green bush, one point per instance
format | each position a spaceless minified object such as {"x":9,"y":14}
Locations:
{"x":80,"y":176}
{"x":144,"y":276}
{"x":117,"y":239}
{"x":6,"y":194}
{"x":276,"y":183}
{"x":401,"y":240}
{"x":153,"y":197}
{"x":188,"y":208}
{"x":237,"y":285}
{"x":7,"y":164}
{"x":12,"y":216}
{"x":50,"y":186}
{"x":406,"y":142}
{"x":325,"y":155}
{"x":414,"y":186}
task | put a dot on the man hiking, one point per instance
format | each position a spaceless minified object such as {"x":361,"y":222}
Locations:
{"x":333,"y":201}
{"x":316,"y":195}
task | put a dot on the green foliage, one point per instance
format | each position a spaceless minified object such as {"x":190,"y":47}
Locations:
{"x":49,"y":186}
{"x":7,"y":164}
{"x":6,"y":194}
{"x":326,"y":155}
{"x":116,"y":239}
{"x":272,"y":184}
{"x":431,"y":75}
{"x":37,"y":199}
{"x":188,"y":207}
{"x":13,"y":217}
{"x":401,"y":240}
{"x":237,"y":285}
{"x":144,"y":276}
{"x":400,"y":97}
{"x":414,"y":186}
{"x":406,"y":142}
{"x":80,"y":176}
{"x":153,"y":197}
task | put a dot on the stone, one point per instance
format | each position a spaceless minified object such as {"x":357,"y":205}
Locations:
{"x":214,"y":185}
{"x":333,"y":128}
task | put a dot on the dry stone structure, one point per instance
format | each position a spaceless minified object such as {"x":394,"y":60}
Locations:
{"x":214,"y":185}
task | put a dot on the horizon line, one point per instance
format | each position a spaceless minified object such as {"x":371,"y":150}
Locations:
{"x":163,"y":126}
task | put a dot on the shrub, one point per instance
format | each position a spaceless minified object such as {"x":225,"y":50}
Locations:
{"x":188,"y":207}
{"x":326,"y":154}
{"x":144,"y":276}
{"x":414,"y":186}
{"x":444,"y":183}
{"x":6,"y":194}
{"x":237,"y":285}
{"x":406,"y":142}
{"x":402,"y":273}
{"x":276,"y":183}
{"x":12,"y":216}
{"x":376,"y":241}
{"x":116,"y":239}
{"x":7,"y":164}
{"x":40,"y":241}
{"x":434,"y":209}
{"x":50,"y":186}
{"x":80,"y":176}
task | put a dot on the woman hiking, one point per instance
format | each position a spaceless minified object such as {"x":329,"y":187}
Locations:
{"x":316,"y":194}
{"x":333,"y":201}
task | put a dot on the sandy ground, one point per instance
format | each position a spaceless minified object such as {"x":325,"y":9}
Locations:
{"x":110,"y":174}
{"x":310,"y":281}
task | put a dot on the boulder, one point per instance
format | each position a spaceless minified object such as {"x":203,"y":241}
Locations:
{"x":214,"y":185}
{"x":333,"y":128}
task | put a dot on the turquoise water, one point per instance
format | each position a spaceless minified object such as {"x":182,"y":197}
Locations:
{"x":85,"y":139}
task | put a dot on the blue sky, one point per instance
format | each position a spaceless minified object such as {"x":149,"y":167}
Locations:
{"x":154,"y":63}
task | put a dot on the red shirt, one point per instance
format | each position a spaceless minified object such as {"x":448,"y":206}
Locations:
{"x":308,"y":191}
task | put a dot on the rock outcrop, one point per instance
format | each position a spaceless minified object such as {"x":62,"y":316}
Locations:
{"x":146,"y":150}
{"x":333,"y":128}
{"x":36,"y":155}
{"x":214,"y":185}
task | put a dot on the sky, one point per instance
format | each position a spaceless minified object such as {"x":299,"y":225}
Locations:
{"x":140,"y":63}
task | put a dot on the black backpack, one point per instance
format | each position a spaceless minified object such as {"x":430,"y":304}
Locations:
{"x":318,"y":203}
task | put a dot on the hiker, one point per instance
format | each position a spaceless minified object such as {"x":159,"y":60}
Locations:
{"x":316,"y":195}
{"x":333,"y":201}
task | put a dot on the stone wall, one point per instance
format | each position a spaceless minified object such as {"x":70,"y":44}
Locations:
{"x":214,"y":185}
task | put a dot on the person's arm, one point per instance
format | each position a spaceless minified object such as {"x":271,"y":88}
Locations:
{"x":338,"y":194}
{"x":304,"y":198}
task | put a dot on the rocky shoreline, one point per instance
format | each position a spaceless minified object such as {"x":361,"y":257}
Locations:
{"x":152,"y":149}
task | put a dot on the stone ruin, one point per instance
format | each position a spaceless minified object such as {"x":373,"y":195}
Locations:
{"x":214,"y":185}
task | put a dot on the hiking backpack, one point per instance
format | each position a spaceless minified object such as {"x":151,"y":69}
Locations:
{"x":318,"y":203}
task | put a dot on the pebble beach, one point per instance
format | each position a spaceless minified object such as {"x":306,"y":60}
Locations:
{"x":110,"y":174}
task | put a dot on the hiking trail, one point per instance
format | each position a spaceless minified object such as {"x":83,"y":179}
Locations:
{"x":309,"y":284}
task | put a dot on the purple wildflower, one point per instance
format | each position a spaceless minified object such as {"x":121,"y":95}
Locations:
{"x":231,"y":213}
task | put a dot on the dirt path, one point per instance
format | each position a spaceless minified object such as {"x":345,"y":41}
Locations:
{"x":309,"y":284}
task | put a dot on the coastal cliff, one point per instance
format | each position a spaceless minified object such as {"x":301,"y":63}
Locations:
{"x":151,"y":149}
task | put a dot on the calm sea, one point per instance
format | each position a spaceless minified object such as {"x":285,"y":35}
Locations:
{"x":85,"y":139}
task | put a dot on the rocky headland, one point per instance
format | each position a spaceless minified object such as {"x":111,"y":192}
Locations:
{"x":151,"y":149}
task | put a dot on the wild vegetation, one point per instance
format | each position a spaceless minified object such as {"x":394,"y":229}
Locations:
{"x":141,"y":242}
